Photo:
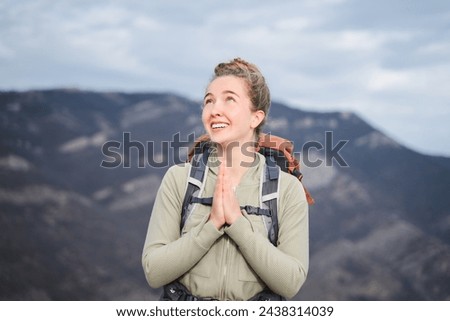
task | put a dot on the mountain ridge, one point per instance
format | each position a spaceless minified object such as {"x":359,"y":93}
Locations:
{"x":55,"y":196}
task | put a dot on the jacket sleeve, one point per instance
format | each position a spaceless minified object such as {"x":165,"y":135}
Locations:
{"x":283,"y":268}
{"x":166,"y":255}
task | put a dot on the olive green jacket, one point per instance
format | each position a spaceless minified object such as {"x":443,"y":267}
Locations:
{"x":237,"y":261}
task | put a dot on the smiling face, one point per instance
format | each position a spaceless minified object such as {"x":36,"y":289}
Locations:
{"x":228,"y":114}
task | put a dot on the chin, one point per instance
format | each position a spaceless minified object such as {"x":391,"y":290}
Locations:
{"x":218,"y":140}
{"x":225,"y":139}
{"x":217,"y":137}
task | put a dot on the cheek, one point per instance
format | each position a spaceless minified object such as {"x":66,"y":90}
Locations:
{"x":204,"y":118}
{"x":246,"y":119}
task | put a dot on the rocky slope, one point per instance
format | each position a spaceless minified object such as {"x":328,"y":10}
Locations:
{"x":71,"y":229}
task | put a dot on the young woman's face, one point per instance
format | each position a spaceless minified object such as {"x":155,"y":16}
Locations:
{"x":227,"y":111}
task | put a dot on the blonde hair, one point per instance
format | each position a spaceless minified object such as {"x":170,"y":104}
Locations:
{"x":258,"y":91}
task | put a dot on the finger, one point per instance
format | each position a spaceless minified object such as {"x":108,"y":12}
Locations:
{"x":231,"y":205}
{"x":217,"y":212}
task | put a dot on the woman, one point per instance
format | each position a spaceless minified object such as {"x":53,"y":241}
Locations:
{"x":223,"y":252}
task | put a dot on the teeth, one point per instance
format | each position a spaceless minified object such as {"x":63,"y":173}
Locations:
{"x":221,"y":125}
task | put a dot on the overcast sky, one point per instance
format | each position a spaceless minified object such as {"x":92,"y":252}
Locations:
{"x":387,"y":60}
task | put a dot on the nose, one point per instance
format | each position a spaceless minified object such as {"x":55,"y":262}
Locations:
{"x":216,"y":108}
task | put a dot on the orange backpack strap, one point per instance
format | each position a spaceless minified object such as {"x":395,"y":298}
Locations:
{"x":286,"y":147}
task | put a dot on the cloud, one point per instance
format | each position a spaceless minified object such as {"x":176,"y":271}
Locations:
{"x":382,"y":59}
{"x":6,"y":52}
{"x":383,"y":79}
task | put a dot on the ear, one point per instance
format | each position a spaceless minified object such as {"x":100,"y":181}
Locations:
{"x":258,"y":117}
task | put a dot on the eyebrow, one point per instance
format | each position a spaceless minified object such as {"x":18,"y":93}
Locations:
{"x":230,"y":92}
{"x":224,"y":92}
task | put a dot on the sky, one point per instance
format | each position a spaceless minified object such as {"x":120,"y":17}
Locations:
{"x":387,"y":60}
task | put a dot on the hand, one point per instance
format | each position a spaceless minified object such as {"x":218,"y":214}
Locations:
{"x":217,"y":215}
{"x":225,"y":207}
{"x":231,"y":207}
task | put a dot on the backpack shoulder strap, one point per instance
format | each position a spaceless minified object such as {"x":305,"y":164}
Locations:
{"x":195,"y":185}
{"x":269,"y":191}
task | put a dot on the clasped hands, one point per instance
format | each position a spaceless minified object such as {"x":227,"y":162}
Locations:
{"x":225,"y":208}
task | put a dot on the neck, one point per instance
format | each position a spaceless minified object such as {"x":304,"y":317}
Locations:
{"x":237,"y":158}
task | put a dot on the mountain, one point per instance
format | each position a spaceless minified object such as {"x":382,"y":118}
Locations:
{"x":79,"y":171}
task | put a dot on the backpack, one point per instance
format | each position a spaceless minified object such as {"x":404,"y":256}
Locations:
{"x":279,"y":156}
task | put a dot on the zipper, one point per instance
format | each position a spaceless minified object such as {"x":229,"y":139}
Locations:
{"x":225,"y":269}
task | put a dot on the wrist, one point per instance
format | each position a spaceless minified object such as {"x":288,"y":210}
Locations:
{"x":217,"y":223}
{"x":233,"y":218}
